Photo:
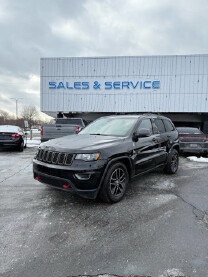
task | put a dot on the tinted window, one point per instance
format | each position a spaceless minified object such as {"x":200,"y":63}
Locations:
{"x":72,"y":121}
{"x":158,"y":126}
{"x":146,"y":124}
{"x":169,"y":125}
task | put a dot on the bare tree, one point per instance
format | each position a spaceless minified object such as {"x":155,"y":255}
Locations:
{"x":4,"y":115}
{"x":30,"y":114}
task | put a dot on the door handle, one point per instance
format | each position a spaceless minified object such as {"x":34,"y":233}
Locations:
{"x":169,"y":136}
{"x":154,"y":140}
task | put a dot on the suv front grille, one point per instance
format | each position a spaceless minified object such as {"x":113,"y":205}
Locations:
{"x":59,"y":158}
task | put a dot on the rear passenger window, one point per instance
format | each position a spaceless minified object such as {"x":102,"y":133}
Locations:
{"x":169,"y":125}
{"x":146,"y":124}
{"x":158,"y":126}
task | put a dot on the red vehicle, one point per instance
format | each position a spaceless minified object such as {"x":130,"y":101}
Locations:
{"x":192,"y":140}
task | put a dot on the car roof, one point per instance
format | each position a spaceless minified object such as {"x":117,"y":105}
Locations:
{"x":9,"y":128}
{"x":148,"y":115}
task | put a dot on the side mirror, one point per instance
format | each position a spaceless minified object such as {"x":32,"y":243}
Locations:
{"x":143,"y":133}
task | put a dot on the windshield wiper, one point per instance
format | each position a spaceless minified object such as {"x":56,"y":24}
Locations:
{"x":98,"y":134}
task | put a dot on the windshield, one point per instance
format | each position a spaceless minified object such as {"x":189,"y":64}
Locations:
{"x":110,"y":127}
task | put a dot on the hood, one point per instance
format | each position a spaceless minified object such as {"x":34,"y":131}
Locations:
{"x":84,"y":142}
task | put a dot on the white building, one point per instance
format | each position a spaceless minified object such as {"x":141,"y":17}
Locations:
{"x":176,"y":86}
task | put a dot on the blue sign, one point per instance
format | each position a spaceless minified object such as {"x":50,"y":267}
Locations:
{"x":107,"y":85}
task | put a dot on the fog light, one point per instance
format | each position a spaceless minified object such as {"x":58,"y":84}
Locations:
{"x":82,"y":176}
{"x":66,"y":186}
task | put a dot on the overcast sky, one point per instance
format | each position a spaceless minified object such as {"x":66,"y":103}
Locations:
{"x":47,"y":28}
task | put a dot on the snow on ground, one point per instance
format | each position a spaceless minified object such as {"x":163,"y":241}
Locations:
{"x":35,"y":131}
{"x":200,"y":160}
{"x":172,"y":273}
{"x":33,"y":142}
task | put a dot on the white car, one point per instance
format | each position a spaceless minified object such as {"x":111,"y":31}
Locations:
{"x":12,"y":137}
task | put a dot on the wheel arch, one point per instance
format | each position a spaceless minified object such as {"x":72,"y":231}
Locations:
{"x":176,"y":146}
{"x":125,"y":160}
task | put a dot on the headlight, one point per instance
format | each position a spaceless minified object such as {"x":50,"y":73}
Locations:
{"x":88,"y":157}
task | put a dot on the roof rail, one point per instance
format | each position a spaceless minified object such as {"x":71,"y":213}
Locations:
{"x":156,"y":114}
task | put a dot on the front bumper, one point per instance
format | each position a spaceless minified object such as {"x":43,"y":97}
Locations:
{"x":84,"y":181}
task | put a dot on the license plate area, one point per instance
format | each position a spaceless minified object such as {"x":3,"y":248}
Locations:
{"x":193,"y":145}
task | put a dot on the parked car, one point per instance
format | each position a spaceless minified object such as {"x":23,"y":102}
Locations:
{"x":192,"y":140}
{"x":12,"y":137}
{"x":62,"y":127}
{"x":103,"y":157}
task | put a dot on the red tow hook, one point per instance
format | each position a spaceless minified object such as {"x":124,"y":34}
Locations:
{"x":66,"y":186}
{"x":37,"y":178}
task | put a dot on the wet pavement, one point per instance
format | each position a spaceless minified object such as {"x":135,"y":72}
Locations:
{"x":160,"y":226}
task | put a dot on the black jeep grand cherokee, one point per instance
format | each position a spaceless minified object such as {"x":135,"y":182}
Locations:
{"x":105,"y":155}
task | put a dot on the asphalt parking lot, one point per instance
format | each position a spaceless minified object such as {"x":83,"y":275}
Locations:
{"x":161,"y":224}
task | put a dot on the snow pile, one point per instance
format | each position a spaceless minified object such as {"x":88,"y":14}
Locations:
{"x":200,"y":160}
{"x":33,"y":142}
{"x":172,"y":273}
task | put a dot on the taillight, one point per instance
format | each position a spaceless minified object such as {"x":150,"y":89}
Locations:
{"x":41,"y":130}
{"x":77,"y":129}
{"x":16,"y":135}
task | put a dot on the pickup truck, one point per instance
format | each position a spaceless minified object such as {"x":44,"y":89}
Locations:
{"x":62,"y":127}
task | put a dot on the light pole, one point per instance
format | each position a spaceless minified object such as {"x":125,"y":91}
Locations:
{"x":16,"y":100}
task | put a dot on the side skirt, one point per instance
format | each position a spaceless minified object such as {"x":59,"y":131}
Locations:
{"x":149,"y":170}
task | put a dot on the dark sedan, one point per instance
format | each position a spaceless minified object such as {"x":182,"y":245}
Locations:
{"x":12,"y":137}
{"x":192,"y":140}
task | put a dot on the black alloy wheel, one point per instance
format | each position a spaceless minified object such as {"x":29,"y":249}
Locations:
{"x":115,"y":183}
{"x":173,"y":162}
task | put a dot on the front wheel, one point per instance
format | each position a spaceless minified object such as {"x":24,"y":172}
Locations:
{"x":173,"y":162}
{"x":115,"y":183}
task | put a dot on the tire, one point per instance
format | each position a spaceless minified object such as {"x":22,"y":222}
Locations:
{"x":21,"y":147}
{"x":173,"y":162}
{"x":112,"y":190}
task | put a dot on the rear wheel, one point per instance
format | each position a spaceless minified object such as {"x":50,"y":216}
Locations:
{"x":115,"y":183}
{"x":172,"y":163}
{"x":21,"y":147}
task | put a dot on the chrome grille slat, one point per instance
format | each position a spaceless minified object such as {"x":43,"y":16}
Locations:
{"x":69,"y":159}
{"x":61,"y":158}
{"x":45,"y":154}
{"x":53,"y":157}
{"x":49,"y":158}
{"x":40,"y":154}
